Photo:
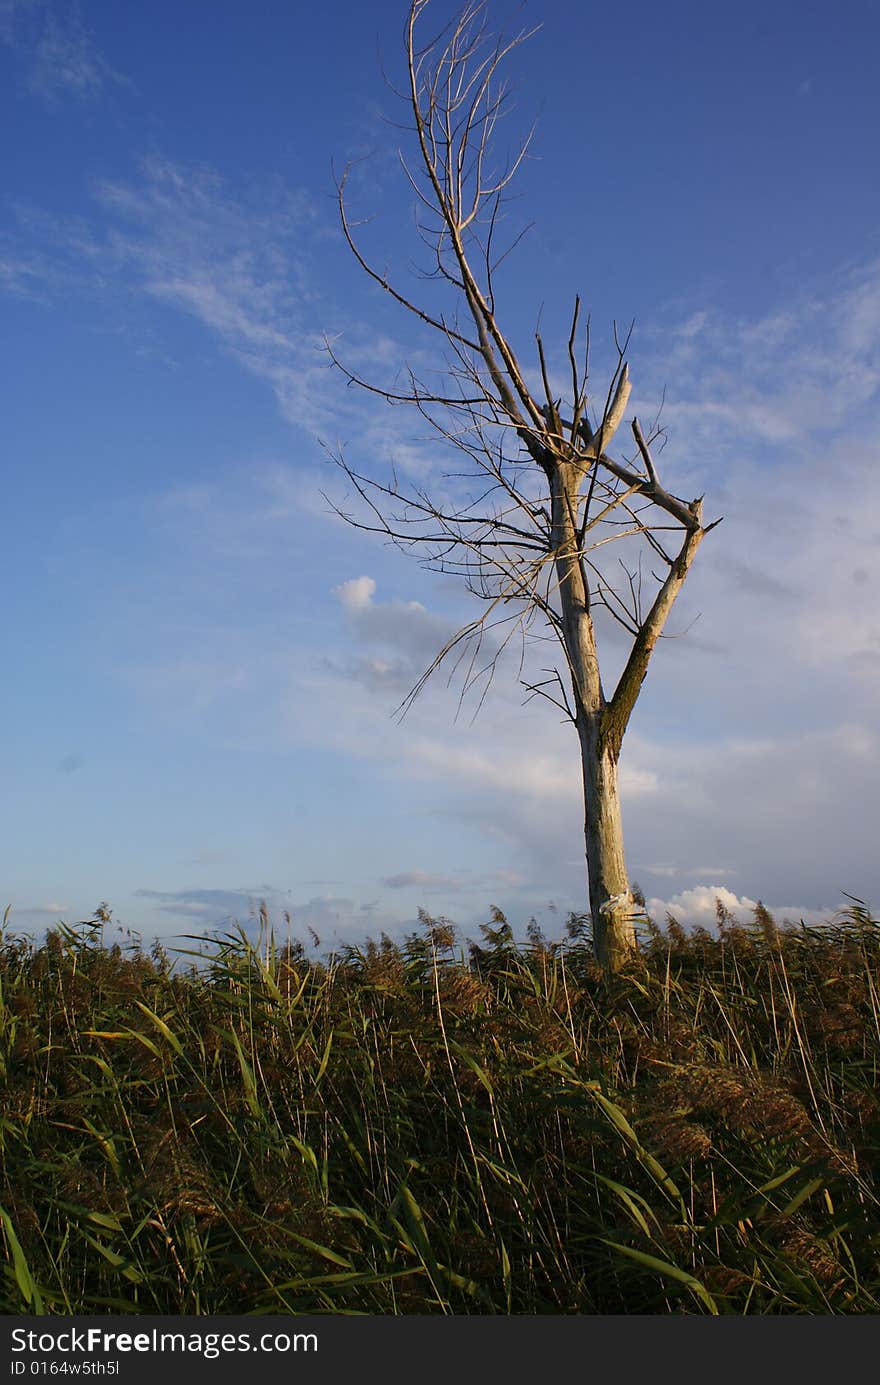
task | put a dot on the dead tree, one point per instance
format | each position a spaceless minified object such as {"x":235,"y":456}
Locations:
{"x":527,"y":526}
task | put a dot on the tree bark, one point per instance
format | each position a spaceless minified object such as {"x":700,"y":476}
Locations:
{"x":614,"y":936}
{"x":614,"y":940}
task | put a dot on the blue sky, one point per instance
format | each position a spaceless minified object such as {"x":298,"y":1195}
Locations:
{"x":202,"y":663}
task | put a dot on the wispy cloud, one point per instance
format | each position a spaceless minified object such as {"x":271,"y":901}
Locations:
{"x":663,"y":869}
{"x":756,"y":738}
{"x":41,"y":911}
{"x":333,"y":918}
{"x":762,"y":745}
{"x":249,"y":263}
{"x":25,"y":275}
{"x":761,"y":388}
{"x":237,"y":265}
{"x":209,"y":856}
{"x":67,"y":63}
{"x":60,"y":56}
{"x":16,"y":16}
{"x":461,"y":882}
{"x":209,"y":906}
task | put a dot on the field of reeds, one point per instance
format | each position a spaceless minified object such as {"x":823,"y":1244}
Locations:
{"x":436,"y":1127}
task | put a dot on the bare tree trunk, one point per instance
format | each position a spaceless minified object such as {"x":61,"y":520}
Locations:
{"x":614,"y":938}
{"x":614,"y":941}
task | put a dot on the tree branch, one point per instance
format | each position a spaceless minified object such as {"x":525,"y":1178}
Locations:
{"x":619,"y":709}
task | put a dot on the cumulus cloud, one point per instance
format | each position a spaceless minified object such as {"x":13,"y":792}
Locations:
{"x":697,"y":908}
{"x":400,"y":639}
{"x":357,"y":593}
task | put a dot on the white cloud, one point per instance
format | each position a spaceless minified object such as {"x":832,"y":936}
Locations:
{"x":357,"y":593}
{"x":696,"y":908}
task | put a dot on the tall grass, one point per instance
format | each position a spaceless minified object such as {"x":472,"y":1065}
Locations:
{"x":425,"y":1128}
